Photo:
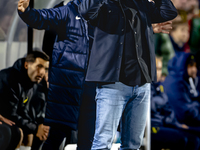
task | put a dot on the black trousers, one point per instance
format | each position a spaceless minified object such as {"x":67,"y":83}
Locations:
{"x":5,"y":136}
{"x":9,"y":137}
{"x":87,"y":117}
{"x":36,"y":143}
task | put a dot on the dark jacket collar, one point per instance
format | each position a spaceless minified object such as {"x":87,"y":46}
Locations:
{"x":176,"y":47}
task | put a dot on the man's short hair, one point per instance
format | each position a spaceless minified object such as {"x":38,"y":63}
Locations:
{"x":31,"y":57}
{"x":176,"y":24}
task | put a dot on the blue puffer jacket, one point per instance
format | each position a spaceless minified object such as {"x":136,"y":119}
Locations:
{"x":179,"y":91}
{"x":161,"y":112}
{"x":69,"y":60}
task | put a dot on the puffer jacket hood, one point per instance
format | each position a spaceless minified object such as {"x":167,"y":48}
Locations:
{"x":19,"y":65}
{"x":177,"y":66}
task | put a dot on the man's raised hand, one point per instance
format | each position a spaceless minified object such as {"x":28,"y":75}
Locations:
{"x":164,"y":27}
{"x":23,"y":4}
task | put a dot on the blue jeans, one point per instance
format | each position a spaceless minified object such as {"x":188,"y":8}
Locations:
{"x":125,"y":105}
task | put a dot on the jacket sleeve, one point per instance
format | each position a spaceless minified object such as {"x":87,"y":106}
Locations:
{"x":192,"y":108}
{"x":41,"y":115}
{"x":161,"y":11}
{"x":41,"y":96}
{"x":184,"y":107}
{"x":89,"y":9}
{"x":10,"y":99}
{"x":26,"y":126}
{"x":170,"y":119}
{"x":45,"y":18}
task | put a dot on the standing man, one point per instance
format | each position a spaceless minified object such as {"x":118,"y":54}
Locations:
{"x":69,"y":60}
{"x":68,"y":65}
{"x":122,"y":61}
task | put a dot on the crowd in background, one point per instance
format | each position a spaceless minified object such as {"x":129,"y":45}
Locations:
{"x":184,"y":36}
{"x":175,"y":102}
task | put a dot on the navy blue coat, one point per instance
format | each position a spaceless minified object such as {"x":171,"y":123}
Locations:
{"x":162,"y":113}
{"x":69,"y":60}
{"x":179,"y":93}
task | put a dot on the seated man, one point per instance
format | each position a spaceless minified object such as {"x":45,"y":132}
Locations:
{"x":180,"y":87}
{"x":10,"y":135}
{"x":23,"y":95}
